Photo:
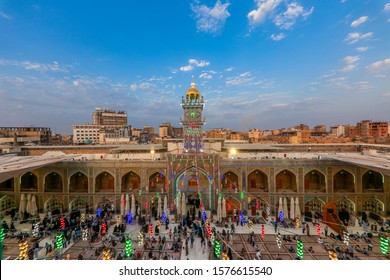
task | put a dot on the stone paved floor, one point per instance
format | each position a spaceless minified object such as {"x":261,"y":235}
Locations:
{"x":268,"y":247}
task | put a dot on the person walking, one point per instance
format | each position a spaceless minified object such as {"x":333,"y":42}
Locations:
{"x":326,"y":231}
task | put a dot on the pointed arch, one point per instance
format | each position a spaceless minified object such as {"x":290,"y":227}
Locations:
{"x":104,"y":204}
{"x":130,"y":181}
{"x":79,"y":204}
{"x":29,"y":182}
{"x":229,"y":180}
{"x":193,"y":179}
{"x":315,"y":205}
{"x":53,"y":182}
{"x":286,"y":181}
{"x":78,"y":182}
{"x":104,"y":182}
{"x":157,"y":181}
{"x":373,"y":181}
{"x":7,"y":202}
{"x":374,"y":205}
{"x":345,"y":205}
{"x":344,"y":182}
{"x":53,"y":205}
{"x":257,"y":206}
{"x":231,"y":205}
{"x":257,"y":181}
{"x":315,"y":181}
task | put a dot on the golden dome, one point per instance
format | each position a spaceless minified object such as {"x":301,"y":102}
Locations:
{"x":192,"y":92}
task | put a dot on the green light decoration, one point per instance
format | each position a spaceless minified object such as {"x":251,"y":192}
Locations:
{"x":300,"y":249}
{"x":242,"y":195}
{"x":140,"y":192}
{"x":217,"y":249}
{"x":59,"y":241}
{"x":128,"y":248}
{"x":220,"y":195}
{"x":384,"y":245}
{"x":1,"y":235}
{"x":158,"y":195}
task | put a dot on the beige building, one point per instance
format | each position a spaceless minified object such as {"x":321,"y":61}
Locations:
{"x":25,"y":135}
{"x":86,"y":134}
{"x":108,"y":117}
{"x":254,"y":135}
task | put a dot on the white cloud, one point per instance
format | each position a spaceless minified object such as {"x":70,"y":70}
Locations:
{"x":186,"y":68}
{"x":362,"y":49}
{"x":359,"y":21}
{"x":206,"y":76}
{"x":288,"y":18}
{"x":240,"y":80}
{"x":348,"y":68}
{"x":160,"y":79}
{"x":278,"y":37}
{"x":145,"y":86}
{"x":283,"y":16}
{"x":351,"y":59}
{"x":264,"y":8}
{"x":356,"y":36}
{"x":198,"y":63}
{"x":133,"y":87}
{"x":4,"y":15}
{"x":379,"y":65}
{"x":28,"y":65}
{"x":350,"y":62}
{"x":246,"y":74}
{"x":387,"y":7}
{"x":210,"y":20}
{"x":229,"y":69}
{"x":192,"y":63}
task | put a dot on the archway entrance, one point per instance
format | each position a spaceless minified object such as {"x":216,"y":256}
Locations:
{"x":194,"y":200}
{"x":373,"y":181}
{"x":29,"y":182}
{"x":196,"y":184}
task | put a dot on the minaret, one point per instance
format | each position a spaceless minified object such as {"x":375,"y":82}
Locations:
{"x":192,"y":122}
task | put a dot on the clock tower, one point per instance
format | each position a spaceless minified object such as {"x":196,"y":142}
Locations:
{"x":192,"y":121}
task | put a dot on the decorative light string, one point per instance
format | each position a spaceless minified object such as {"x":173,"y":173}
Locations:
{"x":346,"y":238}
{"x":128,"y":248}
{"x":384,"y":245}
{"x":300,"y":249}
{"x":106,"y":254}
{"x":217,"y":249}
{"x":23,"y":248}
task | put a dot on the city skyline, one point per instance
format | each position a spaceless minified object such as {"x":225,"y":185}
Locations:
{"x":259,"y":64}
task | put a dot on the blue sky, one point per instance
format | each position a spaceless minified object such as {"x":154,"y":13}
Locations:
{"x":259,"y":63}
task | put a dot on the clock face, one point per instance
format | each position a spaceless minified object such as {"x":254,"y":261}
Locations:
{"x":193,"y":114}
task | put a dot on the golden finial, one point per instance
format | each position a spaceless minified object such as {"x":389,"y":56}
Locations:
{"x":193,"y":83}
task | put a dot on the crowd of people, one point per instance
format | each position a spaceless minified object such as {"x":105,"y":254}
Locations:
{"x":168,"y":239}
